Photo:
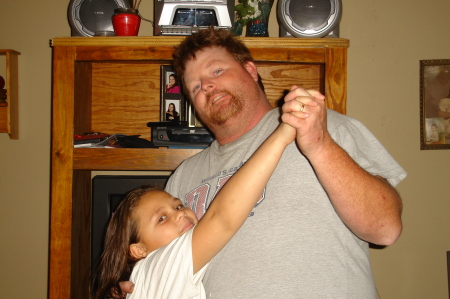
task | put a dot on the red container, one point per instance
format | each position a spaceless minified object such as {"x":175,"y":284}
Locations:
{"x":126,"y":21}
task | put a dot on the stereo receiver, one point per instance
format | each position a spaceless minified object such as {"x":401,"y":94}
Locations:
{"x":182,"y":17}
{"x":166,"y":134}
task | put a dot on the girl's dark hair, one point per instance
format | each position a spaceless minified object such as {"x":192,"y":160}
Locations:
{"x":116,"y":263}
{"x":207,"y":38}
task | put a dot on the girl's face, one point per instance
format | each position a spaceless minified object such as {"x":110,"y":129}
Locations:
{"x":161,"y":219}
{"x":172,"y":80}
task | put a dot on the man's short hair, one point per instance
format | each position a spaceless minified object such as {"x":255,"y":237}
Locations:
{"x":207,"y":38}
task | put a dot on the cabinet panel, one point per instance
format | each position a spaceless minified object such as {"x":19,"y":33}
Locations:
{"x":336,"y":79}
{"x":125,"y":97}
{"x":308,"y":55}
{"x":277,"y":78}
{"x":129,"y":52}
{"x":82,"y":97}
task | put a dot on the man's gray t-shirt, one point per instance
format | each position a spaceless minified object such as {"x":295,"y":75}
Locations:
{"x":293,"y":245}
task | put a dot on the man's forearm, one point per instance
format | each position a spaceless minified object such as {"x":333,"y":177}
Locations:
{"x":367,"y":204}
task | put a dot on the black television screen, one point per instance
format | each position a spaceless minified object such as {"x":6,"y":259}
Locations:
{"x":195,"y":17}
{"x":107,"y":193}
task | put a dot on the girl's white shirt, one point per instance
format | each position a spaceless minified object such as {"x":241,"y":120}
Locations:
{"x":168,"y":273}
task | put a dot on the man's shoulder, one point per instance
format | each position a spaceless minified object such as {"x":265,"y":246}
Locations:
{"x":336,"y":120}
{"x":345,"y":129}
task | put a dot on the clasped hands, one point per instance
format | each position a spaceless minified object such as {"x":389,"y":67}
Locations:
{"x":305,"y":110}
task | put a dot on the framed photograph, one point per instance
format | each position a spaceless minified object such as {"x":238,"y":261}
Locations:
{"x":172,"y":100}
{"x":171,"y":110}
{"x":435,"y":104}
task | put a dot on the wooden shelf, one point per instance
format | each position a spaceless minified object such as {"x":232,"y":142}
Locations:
{"x":9,"y":111}
{"x":129,"y":158}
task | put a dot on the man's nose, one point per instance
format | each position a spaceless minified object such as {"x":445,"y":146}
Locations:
{"x":207,"y":86}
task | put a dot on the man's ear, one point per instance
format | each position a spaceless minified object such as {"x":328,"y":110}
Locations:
{"x":251,"y":68}
{"x":137,"y":251}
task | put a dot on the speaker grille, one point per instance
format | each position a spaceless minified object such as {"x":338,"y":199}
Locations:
{"x":309,"y":18}
{"x":96,"y":15}
{"x":89,"y":16}
{"x":310,"y":14}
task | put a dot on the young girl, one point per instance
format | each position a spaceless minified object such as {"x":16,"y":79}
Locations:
{"x":164,"y":245}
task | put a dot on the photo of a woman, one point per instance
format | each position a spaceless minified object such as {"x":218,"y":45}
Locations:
{"x":171,"y":113}
{"x":172,"y":86}
{"x":172,"y":108}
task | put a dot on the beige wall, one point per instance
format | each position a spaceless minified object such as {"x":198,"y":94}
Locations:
{"x":387,"y":40}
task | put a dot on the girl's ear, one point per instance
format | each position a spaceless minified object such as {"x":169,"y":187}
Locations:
{"x":137,"y":251}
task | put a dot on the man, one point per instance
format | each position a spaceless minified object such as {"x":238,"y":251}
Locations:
{"x":330,"y":195}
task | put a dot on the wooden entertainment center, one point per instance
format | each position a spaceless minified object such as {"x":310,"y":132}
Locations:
{"x":112,"y":85}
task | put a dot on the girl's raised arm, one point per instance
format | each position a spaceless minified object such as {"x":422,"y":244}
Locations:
{"x":234,"y":202}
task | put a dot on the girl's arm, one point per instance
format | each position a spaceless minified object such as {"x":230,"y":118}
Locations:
{"x":234,"y":202}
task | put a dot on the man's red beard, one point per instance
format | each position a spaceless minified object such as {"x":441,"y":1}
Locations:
{"x":220,"y":116}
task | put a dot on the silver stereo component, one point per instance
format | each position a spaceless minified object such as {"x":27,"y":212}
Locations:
{"x":182,"y":17}
{"x":309,"y":18}
{"x":87,"y":17}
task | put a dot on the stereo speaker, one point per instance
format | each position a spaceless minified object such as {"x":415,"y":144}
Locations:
{"x":309,"y":18}
{"x":88,"y":17}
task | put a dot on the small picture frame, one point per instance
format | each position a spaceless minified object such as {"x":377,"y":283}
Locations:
{"x":171,"y":110}
{"x":435,"y":104}
{"x":172,"y":100}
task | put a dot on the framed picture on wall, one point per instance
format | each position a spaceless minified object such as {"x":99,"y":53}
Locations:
{"x":172,"y":100}
{"x":435,"y":104}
